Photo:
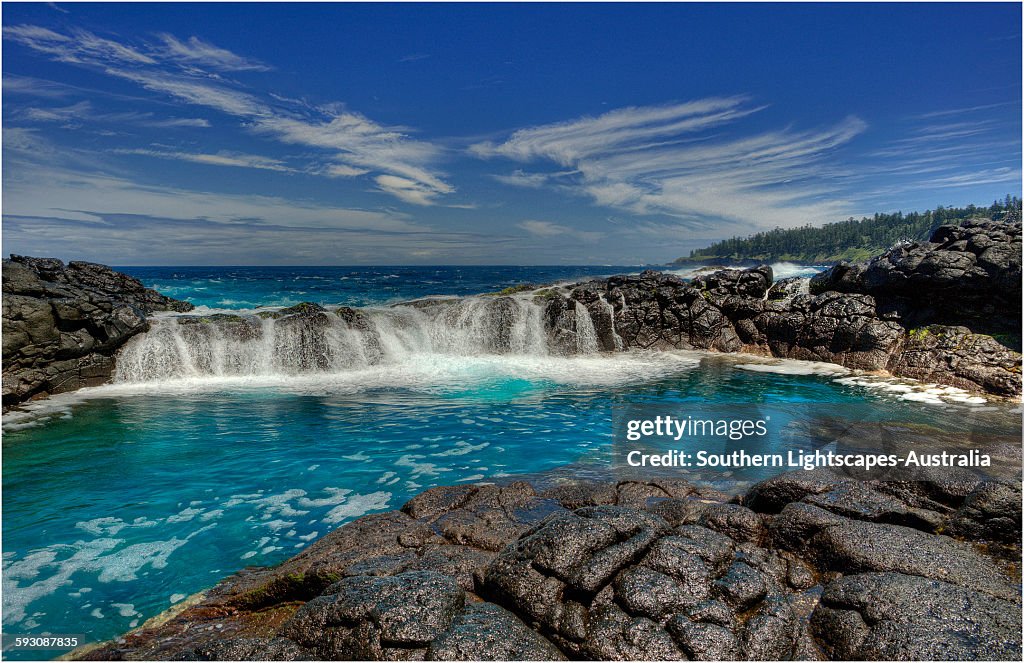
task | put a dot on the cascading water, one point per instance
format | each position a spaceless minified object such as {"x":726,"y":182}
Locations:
{"x":586,"y":335}
{"x":320,"y":341}
{"x":616,"y":339}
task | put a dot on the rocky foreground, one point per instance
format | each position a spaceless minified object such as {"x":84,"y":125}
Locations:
{"x":62,"y":324}
{"x":806,"y":565}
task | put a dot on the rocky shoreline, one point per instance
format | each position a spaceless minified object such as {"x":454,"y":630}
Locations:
{"x":807,"y":565}
{"x":946,"y":311}
{"x":63,"y":324}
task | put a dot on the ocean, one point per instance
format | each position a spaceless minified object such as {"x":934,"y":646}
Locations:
{"x":206,"y":456}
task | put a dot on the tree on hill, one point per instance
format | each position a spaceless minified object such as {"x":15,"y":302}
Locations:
{"x":852,"y":239}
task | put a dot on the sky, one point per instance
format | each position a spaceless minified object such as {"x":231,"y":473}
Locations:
{"x":390,"y":134}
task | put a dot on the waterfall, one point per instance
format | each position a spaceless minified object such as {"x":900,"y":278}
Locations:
{"x":323,"y":341}
{"x":586,"y":335}
{"x":616,"y":339}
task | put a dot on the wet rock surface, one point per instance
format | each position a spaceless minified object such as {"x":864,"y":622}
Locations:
{"x":946,"y":310}
{"x":807,"y":567}
{"x":62,"y":323}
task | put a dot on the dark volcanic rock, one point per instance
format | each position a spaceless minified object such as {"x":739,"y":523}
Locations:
{"x":891,"y":616}
{"x":924,"y":311}
{"x":63,"y":324}
{"x":967,"y":272}
{"x":487,"y":632}
{"x":614,"y":583}
{"x":753,"y":282}
{"x":376,"y":618}
{"x":834,"y":327}
{"x":990,"y":513}
{"x":958,"y":357}
{"x":840,"y":544}
{"x":574,"y":572}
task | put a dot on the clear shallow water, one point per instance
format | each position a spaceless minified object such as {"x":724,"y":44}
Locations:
{"x":122,"y":500}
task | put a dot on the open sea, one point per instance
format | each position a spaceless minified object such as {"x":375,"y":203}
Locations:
{"x":203,"y":458}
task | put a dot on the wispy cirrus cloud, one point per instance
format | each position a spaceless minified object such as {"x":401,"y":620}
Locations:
{"x":942,"y":151}
{"x":961,"y":111}
{"x":550,"y":230}
{"x":354,"y":145}
{"x":220,"y":159}
{"x":679,"y":160}
{"x":27,"y":85}
{"x":204,"y":54}
{"x":76,"y":114}
{"x":78,"y":47}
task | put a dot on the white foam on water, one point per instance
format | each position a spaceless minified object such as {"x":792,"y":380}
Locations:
{"x":428,"y":373}
{"x":42,"y":572}
{"x":358,"y":505}
{"x":795,"y":367}
{"x":125,"y":609}
{"x":915,"y":391}
{"x":462,"y":448}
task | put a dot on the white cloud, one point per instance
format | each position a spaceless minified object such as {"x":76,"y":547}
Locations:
{"x":195,"y":51}
{"x":567,"y":142}
{"x":81,"y":46}
{"x":356,"y":145}
{"x":523,"y":179}
{"x":72,"y":113}
{"x":172,"y":122}
{"x":83,"y":111}
{"x":662,"y":160}
{"x":405,"y":189}
{"x":547,"y":229}
{"x":33,"y":86}
{"x":36,"y":190}
{"x":26,"y":141}
{"x":342,"y":170}
{"x":220,"y":159}
{"x":961,"y":111}
{"x":361,"y":144}
{"x":194,"y":91}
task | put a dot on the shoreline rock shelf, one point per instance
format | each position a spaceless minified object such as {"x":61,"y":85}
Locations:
{"x":945,"y":311}
{"x":806,"y":565}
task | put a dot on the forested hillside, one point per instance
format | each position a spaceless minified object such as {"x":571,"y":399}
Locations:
{"x":852,"y":240}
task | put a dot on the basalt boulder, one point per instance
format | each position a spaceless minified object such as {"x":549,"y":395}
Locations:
{"x":62,"y":324}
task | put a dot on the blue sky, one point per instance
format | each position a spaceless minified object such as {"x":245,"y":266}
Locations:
{"x":490,"y":134}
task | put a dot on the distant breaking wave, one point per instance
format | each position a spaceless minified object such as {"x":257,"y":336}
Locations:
{"x":780,"y":270}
